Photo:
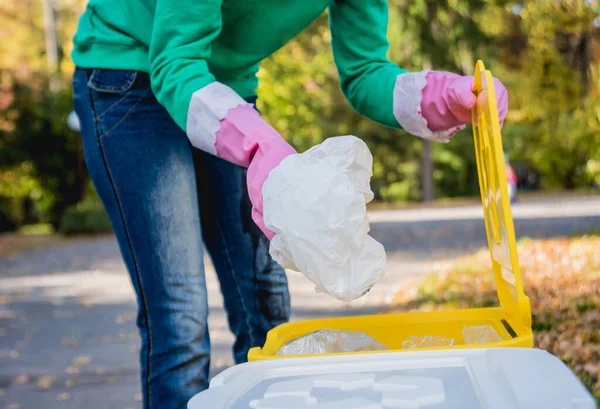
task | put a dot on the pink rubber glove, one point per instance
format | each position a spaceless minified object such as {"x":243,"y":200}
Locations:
{"x":448,"y":99}
{"x":245,"y":139}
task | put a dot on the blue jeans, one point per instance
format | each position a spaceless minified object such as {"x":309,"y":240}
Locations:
{"x":166,"y":201}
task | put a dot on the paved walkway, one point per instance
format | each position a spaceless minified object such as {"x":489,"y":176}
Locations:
{"x":67,"y":335}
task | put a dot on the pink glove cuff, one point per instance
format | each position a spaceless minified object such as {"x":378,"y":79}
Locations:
{"x":208,"y":106}
{"x":245,"y":139}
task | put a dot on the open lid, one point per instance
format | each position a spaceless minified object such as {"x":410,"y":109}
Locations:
{"x":496,"y":202}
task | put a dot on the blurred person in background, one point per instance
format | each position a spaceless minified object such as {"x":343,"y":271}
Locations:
{"x":165,"y":93}
{"x":511,"y":180}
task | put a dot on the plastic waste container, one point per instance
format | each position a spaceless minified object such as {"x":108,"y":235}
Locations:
{"x":502,"y":378}
{"x":509,"y":323}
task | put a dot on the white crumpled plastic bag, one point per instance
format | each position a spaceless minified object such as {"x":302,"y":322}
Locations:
{"x":328,"y":341}
{"x":429,"y":341}
{"x":315,"y":203}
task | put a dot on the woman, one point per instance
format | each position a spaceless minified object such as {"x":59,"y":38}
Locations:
{"x":164,"y":91}
{"x":511,"y":180}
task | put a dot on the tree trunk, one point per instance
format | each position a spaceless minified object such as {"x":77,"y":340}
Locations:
{"x":427,"y":161}
{"x":51,"y":43}
{"x":427,"y":172}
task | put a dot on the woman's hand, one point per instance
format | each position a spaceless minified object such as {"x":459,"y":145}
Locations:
{"x":245,"y":139}
{"x":434,"y":105}
{"x":448,"y":99}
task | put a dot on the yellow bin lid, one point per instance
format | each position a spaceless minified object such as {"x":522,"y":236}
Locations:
{"x":496,"y":203}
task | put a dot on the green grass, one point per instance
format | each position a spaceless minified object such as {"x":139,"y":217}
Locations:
{"x":36,"y":229}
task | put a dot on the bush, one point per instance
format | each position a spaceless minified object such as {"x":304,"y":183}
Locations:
{"x":398,"y":192}
{"x":85,"y":218}
{"x":40,"y":157}
{"x":7,"y":214}
{"x":6,"y":220}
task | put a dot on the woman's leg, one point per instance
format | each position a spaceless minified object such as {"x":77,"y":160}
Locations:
{"x":141,"y":164}
{"x":254,"y":286}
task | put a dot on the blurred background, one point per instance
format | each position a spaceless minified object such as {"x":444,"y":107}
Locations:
{"x":546,"y":52}
{"x":426,"y":212}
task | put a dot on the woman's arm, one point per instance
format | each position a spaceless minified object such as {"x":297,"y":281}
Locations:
{"x":180,"y":46}
{"x":215,"y":118}
{"x":430,"y":104}
{"x":360,"y":45}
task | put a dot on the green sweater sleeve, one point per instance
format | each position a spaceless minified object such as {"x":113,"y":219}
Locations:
{"x":180,"y":45}
{"x":360,"y":45}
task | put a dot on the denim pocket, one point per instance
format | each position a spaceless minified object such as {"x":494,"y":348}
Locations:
{"x":115,"y":95}
{"x":112,"y":81}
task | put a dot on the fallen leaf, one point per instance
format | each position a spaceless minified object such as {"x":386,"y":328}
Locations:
{"x":127,"y":336}
{"x":74,"y":370}
{"x":69,"y":383}
{"x":45,"y":382}
{"x":87,"y":302}
{"x":5,"y":299}
{"x":20,"y":380}
{"x":137,"y":397}
{"x":81,"y":360}
{"x":124,"y":317}
{"x":63,"y":396}
{"x":13,"y":406}
{"x":592,"y":368}
{"x":14,"y":354}
{"x":72,"y":341}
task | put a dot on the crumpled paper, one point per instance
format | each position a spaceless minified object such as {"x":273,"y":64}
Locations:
{"x":315,"y":203}
{"x":329,"y":342}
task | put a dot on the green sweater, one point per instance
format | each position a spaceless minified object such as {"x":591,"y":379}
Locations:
{"x":187,"y":44}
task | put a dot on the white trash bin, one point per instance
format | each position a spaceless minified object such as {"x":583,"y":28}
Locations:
{"x":506,"y":378}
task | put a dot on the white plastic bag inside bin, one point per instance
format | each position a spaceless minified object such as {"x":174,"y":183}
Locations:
{"x":328,"y":341}
{"x":315,"y":203}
